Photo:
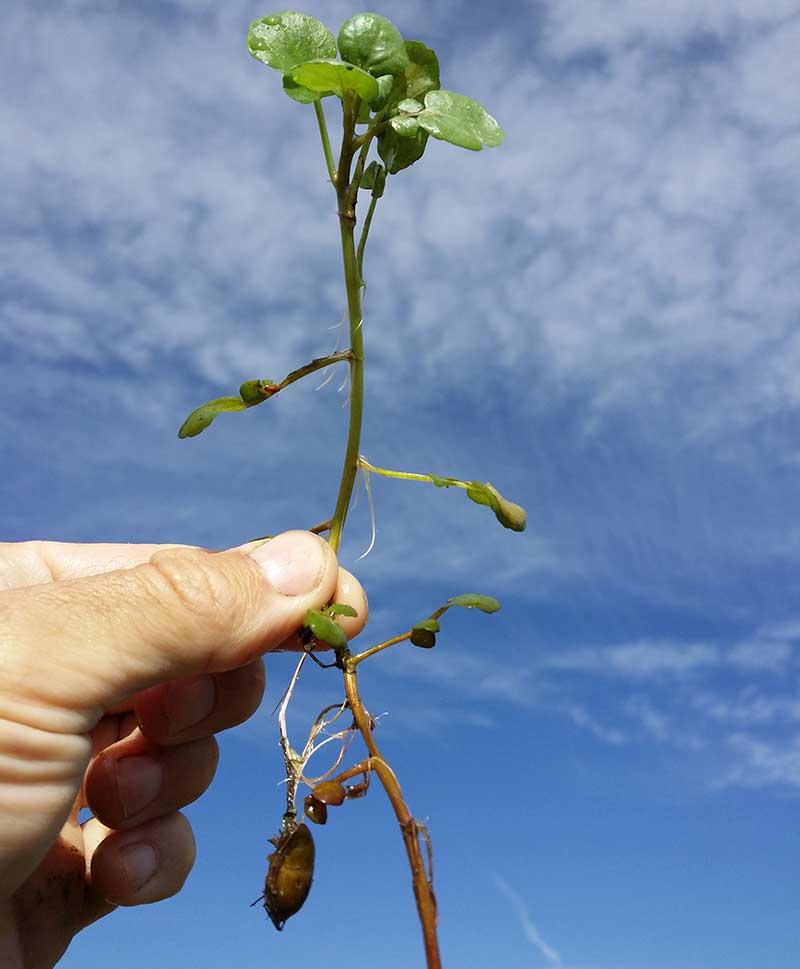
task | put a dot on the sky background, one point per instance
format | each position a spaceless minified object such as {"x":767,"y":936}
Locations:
{"x":600,"y":317}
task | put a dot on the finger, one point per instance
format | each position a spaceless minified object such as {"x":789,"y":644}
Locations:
{"x":200,"y":705}
{"x":145,"y":864}
{"x":81,"y":646}
{"x":34,"y":563}
{"x":135,"y":780}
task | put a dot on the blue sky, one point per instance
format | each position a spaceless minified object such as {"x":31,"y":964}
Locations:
{"x":600,"y":317}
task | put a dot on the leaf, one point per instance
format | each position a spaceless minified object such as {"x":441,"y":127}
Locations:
{"x":441,"y":482}
{"x":409,"y":106}
{"x":340,"y":609}
{"x":374,"y":43}
{"x":385,"y":85}
{"x":202,"y":416}
{"x":325,"y":629}
{"x":374,"y":177}
{"x":422,"y":73}
{"x":299,"y":93}
{"x":472,"y":600}
{"x":404,"y":126}
{"x":432,"y":625}
{"x":336,"y":76}
{"x":507,"y":513}
{"x":397,"y":152}
{"x":282,"y":40}
{"x":459,"y":120}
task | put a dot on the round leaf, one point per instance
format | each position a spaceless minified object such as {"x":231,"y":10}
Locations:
{"x":374,"y":43}
{"x":336,"y":76}
{"x":385,"y":84}
{"x":405,"y":127}
{"x":409,"y":106}
{"x":432,"y":625}
{"x":471,"y":600}
{"x":325,"y":629}
{"x":459,"y":120}
{"x":201,"y":417}
{"x":256,"y":391}
{"x":284,"y":39}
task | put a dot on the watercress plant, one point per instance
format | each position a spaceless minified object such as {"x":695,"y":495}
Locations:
{"x":390,"y":101}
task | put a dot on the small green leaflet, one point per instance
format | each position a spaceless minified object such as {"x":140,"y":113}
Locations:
{"x":472,"y":600}
{"x":459,"y":120}
{"x":325,"y":629}
{"x":337,"y":76}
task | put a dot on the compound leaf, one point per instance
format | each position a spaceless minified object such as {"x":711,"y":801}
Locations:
{"x":282,"y":40}
{"x":459,"y":120}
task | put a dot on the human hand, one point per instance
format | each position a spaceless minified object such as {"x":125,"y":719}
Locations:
{"x":118,"y":664}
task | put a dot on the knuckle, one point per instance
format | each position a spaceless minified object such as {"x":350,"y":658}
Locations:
{"x":198,"y":586}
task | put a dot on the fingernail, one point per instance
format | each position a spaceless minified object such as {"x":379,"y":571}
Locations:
{"x":294,"y":562}
{"x":188,"y":702}
{"x":139,"y":780}
{"x":140,"y":862}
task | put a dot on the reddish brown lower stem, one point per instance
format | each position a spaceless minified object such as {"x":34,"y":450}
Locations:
{"x":423,"y":890}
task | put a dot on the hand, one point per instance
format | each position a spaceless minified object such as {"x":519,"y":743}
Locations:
{"x":118,"y":664}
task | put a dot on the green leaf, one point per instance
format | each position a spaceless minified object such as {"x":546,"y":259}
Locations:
{"x":507,"y":513}
{"x":459,"y":120}
{"x":284,"y":39}
{"x":409,"y":106}
{"x":202,"y":416}
{"x":385,"y":85}
{"x":404,"y":126}
{"x":374,"y":43}
{"x":432,"y":625}
{"x":374,"y":177}
{"x":441,"y":482}
{"x":422,"y":73}
{"x":471,"y":600}
{"x":340,"y":609}
{"x":299,"y":93}
{"x":325,"y":629}
{"x":397,"y":152}
{"x":336,"y":76}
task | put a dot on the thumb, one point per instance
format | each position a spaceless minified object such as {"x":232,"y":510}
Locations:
{"x":77,"y":648}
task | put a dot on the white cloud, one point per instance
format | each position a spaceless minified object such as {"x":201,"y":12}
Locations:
{"x":636,"y":660}
{"x":532,"y":934}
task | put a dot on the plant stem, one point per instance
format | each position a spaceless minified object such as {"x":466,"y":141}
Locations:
{"x":326,"y":144}
{"x":423,"y":892}
{"x":408,"y":475}
{"x":347,"y":194}
{"x":363,"y":239}
{"x":347,"y":224}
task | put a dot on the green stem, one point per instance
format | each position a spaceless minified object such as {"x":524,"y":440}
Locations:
{"x":326,"y":143}
{"x":407,"y":475}
{"x":318,"y":364}
{"x":363,"y":240}
{"x":347,"y":195}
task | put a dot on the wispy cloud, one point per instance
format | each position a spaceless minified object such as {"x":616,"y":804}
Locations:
{"x":532,"y":934}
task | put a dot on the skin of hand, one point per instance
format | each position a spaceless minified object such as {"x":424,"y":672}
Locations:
{"x":118,"y":664}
